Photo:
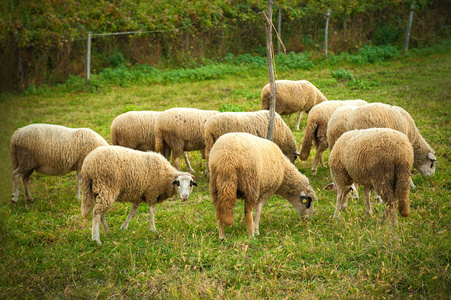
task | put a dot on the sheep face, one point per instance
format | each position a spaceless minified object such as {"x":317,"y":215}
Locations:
{"x":184,"y":185}
{"x":427,"y":166}
{"x":304,"y":202}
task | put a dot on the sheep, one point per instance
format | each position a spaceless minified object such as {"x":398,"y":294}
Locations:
{"x":136,"y":130}
{"x":379,"y":158}
{"x":255,"y":123}
{"x":118,"y":174}
{"x":181,"y":129}
{"x":245,"y":166}
{"x":394,"y":117}
{"x":316,"y":129}
{"x":50,"y":150}
{"x":293,"y":96}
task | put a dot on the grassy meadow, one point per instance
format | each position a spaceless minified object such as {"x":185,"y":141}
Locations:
{"x":46,"y":250}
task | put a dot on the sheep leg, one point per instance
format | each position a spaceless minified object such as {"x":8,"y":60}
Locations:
{"x":26,"y":185}
{"x":248,"y":208}
{"x":104,"y":224}
{"x":152,"y":217}
{"x":319,"y":157}
{"x":220,"y":228}
{"x":185,"y":156}
{"x":298,"y":122}
{"x":342,"y":200}
{"x":78,"y":185}
{"x":15,"y":179}
{"x":258,"y":210}
{"x":367,"y":191}
{"x":132,"y":213}
{"x":96,"y":227}
{"x":412,"y":185}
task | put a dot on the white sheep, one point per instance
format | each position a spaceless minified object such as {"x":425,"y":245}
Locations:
{"x":292,"y":97}
{"x":50,"y":150}
{"x":379,"y":158}
{"x":245,"y":166}
{"x":136,"y":130}
{"x":181,"y":129}
{"x":387,"y":116}
{"x":118,"y":174}
{"x":337,"y":124}
{"x":316,"y":129}
{"x":255,"y":123}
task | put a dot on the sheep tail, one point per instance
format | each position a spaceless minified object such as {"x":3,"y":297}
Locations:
{"x":159,"y":142}
{"x":309,"y":136}
{"x":224,"y":191}
{"x":87,"y":197}
{"x":402,"y":188}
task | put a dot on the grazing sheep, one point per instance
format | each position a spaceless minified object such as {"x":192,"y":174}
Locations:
{"x":293,"y":96}
{"x":118,"y":174}
{"x":255,"y":123}
{"x":316,"y":129}
{"x":136,"y":130}
{"x":50,"y":150}
{"x":395,"y":117}
{"x":379,"y":158}
{"x":245,"y":166}
{"x":181,"y":129}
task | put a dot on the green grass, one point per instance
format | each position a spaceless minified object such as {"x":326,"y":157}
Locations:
{"x":46,"y":251}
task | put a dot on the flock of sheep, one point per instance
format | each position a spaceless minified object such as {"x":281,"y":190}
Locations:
{"x":371,"y":144}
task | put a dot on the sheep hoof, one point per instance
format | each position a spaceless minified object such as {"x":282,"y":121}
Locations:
{"x":313,"y":172}
{"x":31,"y":200}
{"x":99,"y":243}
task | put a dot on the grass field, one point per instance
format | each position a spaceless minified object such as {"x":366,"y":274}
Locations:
{"x":46,"y":250}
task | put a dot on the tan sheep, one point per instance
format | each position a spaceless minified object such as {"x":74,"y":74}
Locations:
{"x":118,"y":174}
{"x":292,"y":97}
{"x":255,"y":123}
{"x":50,"y":150}
{"x":245,"y":166}
{"x":395,"y":117}
{"x":379,"y":158}
{"x":136,"y":130}
{"x":316,"y":129}
{"x":181,"y":129}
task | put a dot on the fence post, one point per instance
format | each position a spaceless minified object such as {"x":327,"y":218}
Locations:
{"x":327,"y":29}
{"x":279,"y":26}
{"x":409,"y":27}
{"x":88,"y":59}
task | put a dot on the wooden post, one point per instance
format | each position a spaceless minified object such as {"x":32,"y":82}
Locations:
{"x":409,"y":26}
{"x":279,"y":26}
{"x":327,"y":29}
{"x":88,"y":59}
{"x":272,"y":82}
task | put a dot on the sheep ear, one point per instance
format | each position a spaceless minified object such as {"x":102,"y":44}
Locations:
{"x":329,"y":187}
{"x":431,"y":156}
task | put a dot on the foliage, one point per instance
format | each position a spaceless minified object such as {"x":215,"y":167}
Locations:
{"x":46,"y":250}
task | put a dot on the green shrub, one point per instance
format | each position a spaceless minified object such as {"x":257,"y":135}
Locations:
{"x":342,"y":74}
{"x":116,"y":59}
{"x":230,"y":107}
{"x":386,"y":34}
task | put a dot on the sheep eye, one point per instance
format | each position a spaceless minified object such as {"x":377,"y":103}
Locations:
{"x":191,"y":183}
{"x":432,"y":164}
{"x":295,"y":157}
{"x":176,"y":182}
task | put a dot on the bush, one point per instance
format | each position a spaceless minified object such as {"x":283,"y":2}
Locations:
{"x":342,"y":74}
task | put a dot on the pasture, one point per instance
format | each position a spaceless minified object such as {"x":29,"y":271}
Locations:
{"x":46,"y":250}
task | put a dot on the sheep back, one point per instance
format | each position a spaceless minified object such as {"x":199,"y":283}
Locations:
{"x":182,"y":127}
{"x":318,"y":118}
{"x":337,"y":124}
{"x":52,"y":149}
{"x":255,"y":123}
{"x":378,"y":157}
{"x":135,"y":130}
{"x":124,"y":175}
{"x":292,"y":96}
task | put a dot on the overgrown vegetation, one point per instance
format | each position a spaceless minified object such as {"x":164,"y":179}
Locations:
{"x":45,"y":247}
